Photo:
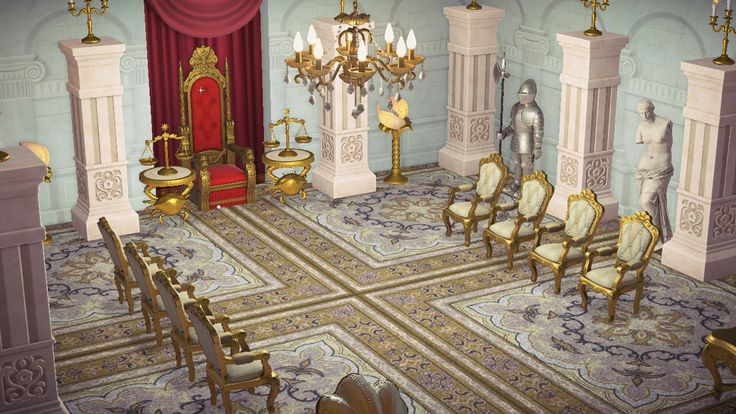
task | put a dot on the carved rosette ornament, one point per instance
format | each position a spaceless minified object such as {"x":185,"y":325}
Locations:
{"x":352,"y":149}
{"x":108,"y":185}
{"x":480,"y":129}
{"x":569,"y":171}
{"x":328,"y":147}
{"x":22,"y":379}
{"x":596,"y":173}
{"x":724,"y":222}
{"x":691,"y":217}
{"x":456,"y":128}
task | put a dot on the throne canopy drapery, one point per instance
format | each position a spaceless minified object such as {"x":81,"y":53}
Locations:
{"x":232,"y":28}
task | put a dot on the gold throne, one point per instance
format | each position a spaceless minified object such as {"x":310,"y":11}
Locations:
{"x":207,"y":125}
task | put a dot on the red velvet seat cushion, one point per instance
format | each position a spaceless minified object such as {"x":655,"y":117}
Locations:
{"x":225,"y":174}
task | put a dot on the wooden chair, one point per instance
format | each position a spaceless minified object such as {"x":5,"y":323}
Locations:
{"x":355,"y":395}
{"x":491,"y":177}
{"x":238,"y":369}
{"x":636,"y":240}
{"x":536,"y":192}
{"x":583,"y":214}
{"x":151,"y":305}
{"x":123,"y":282}
{"x":720,"y":346}
{"x":183,"y":336}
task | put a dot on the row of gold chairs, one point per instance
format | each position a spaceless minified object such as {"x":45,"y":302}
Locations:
{"x":636,"y":241}
{"x":193,"y":326}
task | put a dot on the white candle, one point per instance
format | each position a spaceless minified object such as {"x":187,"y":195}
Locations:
{"x":713,"y":13}
{"x":311,"y":35}
{"x":298,"y":42}
{"x":401,"y":48}
{"x":728,"y":5}
{"x":319,"y":51}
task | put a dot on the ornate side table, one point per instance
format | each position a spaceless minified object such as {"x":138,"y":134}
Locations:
{"x":173,"y":202}
{"x":292,"y":183}
{"x":720,"y":347}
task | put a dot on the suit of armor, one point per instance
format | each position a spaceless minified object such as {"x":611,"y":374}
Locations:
{"x":527,"y":130}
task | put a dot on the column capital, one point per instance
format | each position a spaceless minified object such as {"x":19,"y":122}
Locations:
{"x":89,"y":65}
{"x":469,"y":29}
{"x":591,"y":62}
{"x":711,"y":93}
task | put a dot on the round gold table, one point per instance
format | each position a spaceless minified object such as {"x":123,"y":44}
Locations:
{"x":172,"y":203}
{"x":292,"y":183}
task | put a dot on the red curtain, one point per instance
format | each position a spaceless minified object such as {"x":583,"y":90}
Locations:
{"x":236,"y":37}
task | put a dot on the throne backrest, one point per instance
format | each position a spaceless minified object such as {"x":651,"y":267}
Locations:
{"x":583,"y":214}
{"x":536,"y":192}
{"x":492,"y":174}
{"x":114,"y":246}
{"x":636,"y":238}
{"x":204,"y":98}
{"x":355,"y":395}
{"x":172,"y":302}
{"x":140,"y":271}
{"x":206,"y":333}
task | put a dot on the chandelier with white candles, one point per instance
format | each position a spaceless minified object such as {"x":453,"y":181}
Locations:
{"x":352,"y":62}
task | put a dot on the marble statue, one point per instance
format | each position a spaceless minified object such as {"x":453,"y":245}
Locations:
{"x":655,"y":167}
{"x":527,"y":130}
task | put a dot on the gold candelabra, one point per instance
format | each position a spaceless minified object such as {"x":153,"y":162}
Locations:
{"x":301,"y":136}
{"x":474,"y":5}
{"x":88,"y":10}
{"x":183,"y":153}
{"x":595,"y":5}
{"x":726,"y":29}
{"x":4,"y":156}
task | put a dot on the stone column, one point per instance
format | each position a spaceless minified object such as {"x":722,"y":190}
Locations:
{"x":471,"y":99}
{"x":27,"y":374}
{"x":343,"y":166}
{"x":590,"y":82}
{"x":704,"y":242}
{"x":99,"y":140}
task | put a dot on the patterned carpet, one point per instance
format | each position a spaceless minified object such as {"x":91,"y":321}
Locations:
{"x":370,"y":284}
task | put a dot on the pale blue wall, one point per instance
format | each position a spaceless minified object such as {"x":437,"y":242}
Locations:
{"x":35,"y":105}
{"x":34,"y":102}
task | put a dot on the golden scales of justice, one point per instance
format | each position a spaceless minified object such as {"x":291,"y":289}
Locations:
{"x":292,"y":183}
{"x":172,"y":202}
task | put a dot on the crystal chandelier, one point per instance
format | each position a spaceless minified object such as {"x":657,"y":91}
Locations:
{"x":353,"y":63}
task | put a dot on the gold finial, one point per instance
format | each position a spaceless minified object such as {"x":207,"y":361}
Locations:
{"x":474,"y":5}
{"x":165,"y":127}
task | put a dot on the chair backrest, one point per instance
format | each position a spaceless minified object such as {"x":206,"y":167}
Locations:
{"x":636,"y":238}
{"x":536,"y":192}
{"x":492,"y":174}
{"x":204,"y":99}
{"x":114,"y":246}
{"x":172,"y":302}
{"x":141,"y":272}
{"x":208,"y":337}
{"x":583,"y":214}
{"x":355,"y":395}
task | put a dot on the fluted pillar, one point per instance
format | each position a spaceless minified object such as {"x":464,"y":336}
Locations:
{"x":27,"y":374}
{"x":343,"y":166}
{"x":590,"y":82}
{"x":96,"y":94}
{"x":704,"y":242}
{"x":471,"y":102}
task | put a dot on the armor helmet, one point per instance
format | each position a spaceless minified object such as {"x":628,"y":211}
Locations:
{"x":527,"y":92}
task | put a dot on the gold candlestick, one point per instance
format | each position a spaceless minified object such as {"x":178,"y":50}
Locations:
{"x":474,"y":5}
{"x":726,"y":29}
{"x":595,"y":5}
{"x":88,"y":10}
{"x":4,"y":156}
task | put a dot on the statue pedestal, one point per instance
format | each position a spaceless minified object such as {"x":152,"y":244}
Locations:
{"x":343,"y":166}
{"x":704,"y":242}
{"x":590,"y":82}
{"x":99,"y":140}
{"x":28,"y":380}
{"x":471,"y":100}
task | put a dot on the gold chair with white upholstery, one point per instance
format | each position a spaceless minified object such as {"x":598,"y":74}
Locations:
{"x":636,"y":240}
{"x":151,"y":304}
{"x":491,"y":177}
{"x":355,"y":395}
{"x":238,"y":369}
{"x":536,"y":192}
{"x":183,"y":336}
{"x":583,"y":214}
{"x":123,"y":281}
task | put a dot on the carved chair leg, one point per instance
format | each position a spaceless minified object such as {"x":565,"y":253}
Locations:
{"x":213,"y":390}
{"x":275,"y":387}
{"x":190,"y":362}
{"x":177,"y":351}
{"x":466,"y":227}
{"x":558,"y":280}
{"x":448,"y":226}
{"x":712,"y":366}
{"x":475,"y":227}
{"x":489,"y":248}
{"x":226,"y":399}
{"x":583,"y":295}
{"x":637,"y":299}
{"x":509,"y":256}
{"x":129,"y":296}
{"x":119,"y":287}
{"x":611,"y":307}
{"x":146,"y":317}
{"x":159,"y":334}
{"x":533,"y":268}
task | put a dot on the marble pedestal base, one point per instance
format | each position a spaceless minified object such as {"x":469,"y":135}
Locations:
{"x":462,"y":162}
